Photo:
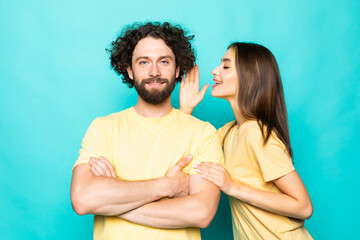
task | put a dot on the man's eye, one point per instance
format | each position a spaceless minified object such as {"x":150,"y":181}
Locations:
{"x":143,"y":62}
{"x":164,"y":62}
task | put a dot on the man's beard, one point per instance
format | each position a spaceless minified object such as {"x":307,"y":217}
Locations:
{"x":154,"y":96}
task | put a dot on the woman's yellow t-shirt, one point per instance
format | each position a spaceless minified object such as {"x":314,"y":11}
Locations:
{"x":254,"y":164}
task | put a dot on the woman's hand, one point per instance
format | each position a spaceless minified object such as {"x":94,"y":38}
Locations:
{"x":217,"y":174}
{"x":190,"y":96}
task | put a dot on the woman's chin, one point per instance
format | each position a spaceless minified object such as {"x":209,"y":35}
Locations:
{"x":216,"y":94}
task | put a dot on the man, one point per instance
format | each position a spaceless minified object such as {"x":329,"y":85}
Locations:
{"x":128,"y":172}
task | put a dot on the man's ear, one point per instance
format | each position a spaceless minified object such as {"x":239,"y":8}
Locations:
{"x":177,"y":72}
{"x":130,"y":73}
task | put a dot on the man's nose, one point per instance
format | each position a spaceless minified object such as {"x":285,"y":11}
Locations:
{"x":155,"y":71}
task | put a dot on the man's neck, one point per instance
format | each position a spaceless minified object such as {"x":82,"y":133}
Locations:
{"x":153,"y":111}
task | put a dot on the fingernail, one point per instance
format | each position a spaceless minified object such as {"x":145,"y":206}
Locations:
{"x":190,"y":156}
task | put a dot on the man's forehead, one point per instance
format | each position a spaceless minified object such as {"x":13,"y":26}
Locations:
{"x":152,"y":48}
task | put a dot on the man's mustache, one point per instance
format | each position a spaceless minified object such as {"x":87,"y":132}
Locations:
{"x":155,"y":80}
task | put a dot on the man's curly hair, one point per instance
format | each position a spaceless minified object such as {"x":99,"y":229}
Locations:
{"x":174,"y":36}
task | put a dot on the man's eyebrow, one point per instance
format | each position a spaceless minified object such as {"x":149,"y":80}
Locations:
{"x":146,"y":57}
{"x":225,"y":60}
{"x":166,"y":56}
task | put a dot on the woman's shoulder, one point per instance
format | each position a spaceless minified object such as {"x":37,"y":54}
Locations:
{"x":250,"y":129}
{"x":254,"y":135}
{"x":226,"y":127}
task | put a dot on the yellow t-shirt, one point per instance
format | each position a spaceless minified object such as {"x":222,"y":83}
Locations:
{"x":145,"y":148}
{"x":256,"y":165}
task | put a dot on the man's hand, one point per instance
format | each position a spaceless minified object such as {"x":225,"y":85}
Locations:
{"x":180,"y":180}
{"x":102,"y":167}
{"x":190,"y":96}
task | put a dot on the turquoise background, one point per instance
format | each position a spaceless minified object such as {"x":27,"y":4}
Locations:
{"x":56,"y":78}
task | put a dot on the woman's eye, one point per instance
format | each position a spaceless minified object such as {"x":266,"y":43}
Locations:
{"x":226,"y":67}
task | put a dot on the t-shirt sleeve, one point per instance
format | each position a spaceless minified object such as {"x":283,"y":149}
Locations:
{"x":273,"y":159}
{"x":207,"y":149}
{"x":95,"y":143}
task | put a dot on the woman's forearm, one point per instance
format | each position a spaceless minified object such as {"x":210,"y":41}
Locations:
{"x":293,"y":201}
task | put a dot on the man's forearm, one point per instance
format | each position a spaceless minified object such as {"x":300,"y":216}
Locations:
{"x":195,"y":210}
{"x":111,"y":196}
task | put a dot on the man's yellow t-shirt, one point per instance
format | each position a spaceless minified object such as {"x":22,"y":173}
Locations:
{"x":251,"y":163}
{"x":145,"y":148}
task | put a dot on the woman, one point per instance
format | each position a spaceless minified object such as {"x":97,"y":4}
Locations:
{"x":268,"y":198}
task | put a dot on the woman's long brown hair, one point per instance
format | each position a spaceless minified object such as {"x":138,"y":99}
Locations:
{"x":261,"y":94}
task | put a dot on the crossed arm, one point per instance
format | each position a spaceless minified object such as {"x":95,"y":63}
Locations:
{"x":196,"y":210}
{"x":98,"y":193}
